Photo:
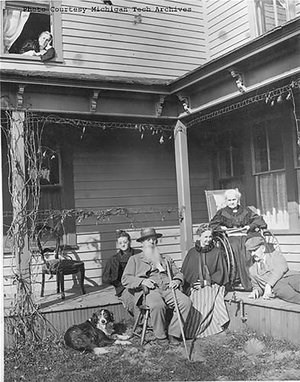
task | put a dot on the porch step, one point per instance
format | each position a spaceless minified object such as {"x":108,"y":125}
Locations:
{"x":274,"y":317}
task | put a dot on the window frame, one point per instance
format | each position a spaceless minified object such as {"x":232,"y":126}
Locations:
{"x":57,"y":151}
{"x":221,"y":154}
{"x":257,"y":21}
{"x":55,"y":23}
{"x":269,"y":171}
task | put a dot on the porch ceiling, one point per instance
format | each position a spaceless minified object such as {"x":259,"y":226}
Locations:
{"x":270,"y":59}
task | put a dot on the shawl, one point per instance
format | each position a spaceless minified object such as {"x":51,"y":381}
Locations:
{"x":204,"y":264}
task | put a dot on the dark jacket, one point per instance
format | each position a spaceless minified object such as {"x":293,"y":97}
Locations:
{"x":114,"y":269}
{"x":244,"y":216}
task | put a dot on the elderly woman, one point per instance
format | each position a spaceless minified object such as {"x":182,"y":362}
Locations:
{"x":239,"y":223}
{"x":205,"y":275}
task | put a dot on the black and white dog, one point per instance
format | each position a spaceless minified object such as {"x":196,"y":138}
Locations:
{"x":95,"y":334}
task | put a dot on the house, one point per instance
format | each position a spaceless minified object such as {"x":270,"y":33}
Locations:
{"x":144,"y":107}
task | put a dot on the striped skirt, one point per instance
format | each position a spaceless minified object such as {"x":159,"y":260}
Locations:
{"x":208,"y":314}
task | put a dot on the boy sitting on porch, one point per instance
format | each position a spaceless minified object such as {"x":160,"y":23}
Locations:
{"x":270,"y":275}
{"x":114,"y":269}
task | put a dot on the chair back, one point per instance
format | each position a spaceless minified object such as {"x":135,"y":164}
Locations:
{"x":215,"y":200}
{"x":48,"y":242}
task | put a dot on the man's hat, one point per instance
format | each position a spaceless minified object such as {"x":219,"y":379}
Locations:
{"x":148,"y":232}
{"x":254,"y":242}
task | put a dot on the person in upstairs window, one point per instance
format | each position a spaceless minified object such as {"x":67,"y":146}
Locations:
{"x":239,"y":223}
{"x":43,"y":48}
{"x":114,"y":269}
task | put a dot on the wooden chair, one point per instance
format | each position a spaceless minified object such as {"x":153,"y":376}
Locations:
{"x":215,"y":200}
{"x":142,"y":318}
{"x":61,"y":265}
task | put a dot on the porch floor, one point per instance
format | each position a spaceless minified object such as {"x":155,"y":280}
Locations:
{"x":100,"y":296}
{"x":274,"y":303}
{"x":273,"y":317}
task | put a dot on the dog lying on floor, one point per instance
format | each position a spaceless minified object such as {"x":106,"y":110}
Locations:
{"x":95,"y":334}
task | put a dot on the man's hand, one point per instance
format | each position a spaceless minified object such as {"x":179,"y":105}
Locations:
{"x":254,"y":294}
{"x":174,"y":284}
{"x":246,"y":228}
{"x":268,"y":292}
{"x":149,"y":283}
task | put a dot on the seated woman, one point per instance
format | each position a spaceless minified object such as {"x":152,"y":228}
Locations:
{"x":239,"y":223}
{"x":114,"y":269}
{"x":205,"y":276}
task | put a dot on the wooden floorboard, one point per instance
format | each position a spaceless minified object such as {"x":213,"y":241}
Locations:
{"x":274,"y":303}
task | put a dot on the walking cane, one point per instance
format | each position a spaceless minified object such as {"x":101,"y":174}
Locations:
{"x":178,"y":313}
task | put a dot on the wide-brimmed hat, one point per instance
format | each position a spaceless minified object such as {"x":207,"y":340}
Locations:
{"x":148,"y":232}
{"x":254,"y":242}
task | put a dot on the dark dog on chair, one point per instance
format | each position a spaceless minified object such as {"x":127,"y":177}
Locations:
{"x":95,"y":334}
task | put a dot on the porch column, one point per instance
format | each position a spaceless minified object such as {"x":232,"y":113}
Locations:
{"x":183,"y":188}
{"x":1,"y":269}
{"x":18,"y":175}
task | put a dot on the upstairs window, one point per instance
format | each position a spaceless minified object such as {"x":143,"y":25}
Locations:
{"x":272,"y":13}
{"x":31,"y":30}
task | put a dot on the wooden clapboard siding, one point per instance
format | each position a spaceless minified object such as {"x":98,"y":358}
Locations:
{"x":228,"y":25}
{"x":290,"y":247}
{"x":164,"y":45}
{"x":123,"y":171}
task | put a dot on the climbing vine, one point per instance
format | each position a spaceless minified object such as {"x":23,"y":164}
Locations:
{"x":26,"y":155}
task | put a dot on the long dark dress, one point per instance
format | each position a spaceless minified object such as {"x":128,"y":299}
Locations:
{"x":205,"y":267}
{"x":239,"y":218}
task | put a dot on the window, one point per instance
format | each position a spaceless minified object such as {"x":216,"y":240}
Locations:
{"x":230,"y":158}
{"x":272,"y":13}
{"x":50,"y":167}
{"x":268,"y":148}
{"x":23,"y":24}
{"x":268,"y":158}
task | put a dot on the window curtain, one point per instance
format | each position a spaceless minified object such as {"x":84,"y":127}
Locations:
{"x":273,"y":200}
{"x":14,"y":21}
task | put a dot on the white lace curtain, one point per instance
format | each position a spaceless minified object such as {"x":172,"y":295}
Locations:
{"x":273,"y":199}
{"x":14,"y":21}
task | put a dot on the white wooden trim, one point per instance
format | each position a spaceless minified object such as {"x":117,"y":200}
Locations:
{"x":183,"y":187}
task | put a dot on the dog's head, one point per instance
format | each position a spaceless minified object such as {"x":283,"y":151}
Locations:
{"x":103,"y":319}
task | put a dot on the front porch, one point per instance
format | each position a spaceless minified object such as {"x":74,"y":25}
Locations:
{"x":275,"y":318}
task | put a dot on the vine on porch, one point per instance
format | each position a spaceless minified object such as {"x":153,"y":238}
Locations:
{"x":23,"y":139}
{"x":23,"y":134}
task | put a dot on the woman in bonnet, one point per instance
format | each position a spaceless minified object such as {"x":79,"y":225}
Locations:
{"x":205,"y":274}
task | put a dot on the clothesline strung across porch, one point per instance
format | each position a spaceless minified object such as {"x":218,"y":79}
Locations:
{"x":165,"y":131}
{"x":268,"y":97}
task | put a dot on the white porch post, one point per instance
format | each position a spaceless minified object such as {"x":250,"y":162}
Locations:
{"x":183,"y":187}
{"x":19,"y":194}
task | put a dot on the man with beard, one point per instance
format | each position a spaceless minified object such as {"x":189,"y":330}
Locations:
{"x":149,"y":270}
